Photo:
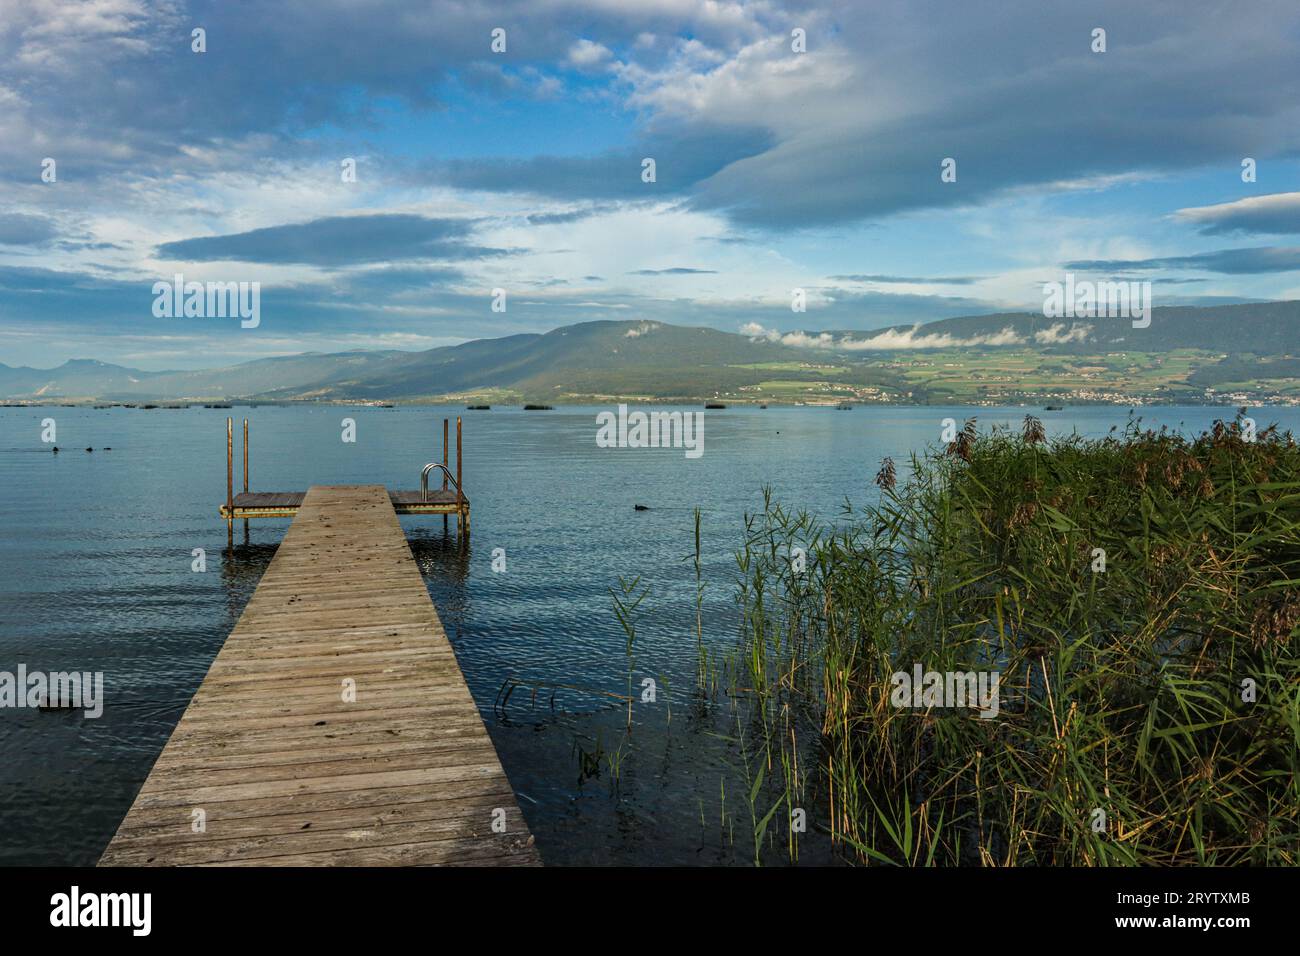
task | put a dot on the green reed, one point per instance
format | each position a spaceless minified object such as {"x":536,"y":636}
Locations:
{"x":1130,"y":591}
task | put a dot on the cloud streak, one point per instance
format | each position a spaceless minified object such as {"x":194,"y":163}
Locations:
{"x":1250,"y":261}
{"x":338,"y":241}
{"x":907,"y":280}
{"x":17,"y":229}
{"x":1274,"y":214}
{"x":889,"y":340}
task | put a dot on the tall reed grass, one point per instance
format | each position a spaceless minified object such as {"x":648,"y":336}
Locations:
{"x":1139,"y":596}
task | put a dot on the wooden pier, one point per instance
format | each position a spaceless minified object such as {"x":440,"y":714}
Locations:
{"x":448,"y":501}
{"x":334,"y":727}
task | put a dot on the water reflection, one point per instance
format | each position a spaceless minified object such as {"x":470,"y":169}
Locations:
{"x":440,"y":553}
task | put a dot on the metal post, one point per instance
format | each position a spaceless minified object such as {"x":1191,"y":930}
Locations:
{"x":444,"y":465}
{"x":230,"y":482}
{"x":245,"y":475}
{"x":460,"y":495}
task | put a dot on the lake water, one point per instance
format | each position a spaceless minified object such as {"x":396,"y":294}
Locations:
{"x":95,"y":575}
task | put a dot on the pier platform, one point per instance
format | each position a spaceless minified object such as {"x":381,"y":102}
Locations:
{"x":334,"y":727}
{"x":449,"y":501}
{"x":285,"y":504}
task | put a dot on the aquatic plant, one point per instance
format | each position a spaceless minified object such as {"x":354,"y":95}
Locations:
{"x":1138,"y":597}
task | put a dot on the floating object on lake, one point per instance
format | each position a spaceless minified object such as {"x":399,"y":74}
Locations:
{"x":479,"y":408}
{"x":641,"y":507}
{"x":538,"y":408}
{"x":56,"y":449}
{"x":844,"y":407}
{"x":1054,"y":408}
{"x":90,"y":449}
{"x":714,"y":405}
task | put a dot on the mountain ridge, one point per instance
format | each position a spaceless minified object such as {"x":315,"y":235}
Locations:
{"x":660,"y":361}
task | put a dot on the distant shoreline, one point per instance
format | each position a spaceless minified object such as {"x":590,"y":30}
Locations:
{"x":731,"y":403}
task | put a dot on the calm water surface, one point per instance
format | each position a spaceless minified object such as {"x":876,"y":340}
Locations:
{"x":95,"y":556}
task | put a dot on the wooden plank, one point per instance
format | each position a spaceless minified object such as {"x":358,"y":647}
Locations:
{"x":438,"y":496}
{"x":294,"y":499}
{"x":289,"y":769}
{"x":269,"y":499}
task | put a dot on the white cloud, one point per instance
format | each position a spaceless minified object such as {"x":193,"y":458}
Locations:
{"x":890,"y":339}
{"x":55,"y":33}
{"x":908,"y":339}
{"x":1057,"y":335}
{"x":823,"y":340}
{"x":585,"y":54}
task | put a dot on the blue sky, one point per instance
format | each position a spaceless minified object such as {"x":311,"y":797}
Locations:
{"x":521,"y":170}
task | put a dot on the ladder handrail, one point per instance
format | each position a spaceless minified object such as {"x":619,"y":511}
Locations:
{"x":424,"y":480}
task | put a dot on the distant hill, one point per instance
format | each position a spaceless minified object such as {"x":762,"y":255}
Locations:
{"x":1263,"y":328}
{"x":590,"y":357}
{"x":656,"y":360}
{"x":77,"y":377}
{"x":624,"y":357}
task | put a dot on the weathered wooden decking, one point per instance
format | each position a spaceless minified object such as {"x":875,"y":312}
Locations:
{"x":283,"y":769}
{"x":285,"y":504}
